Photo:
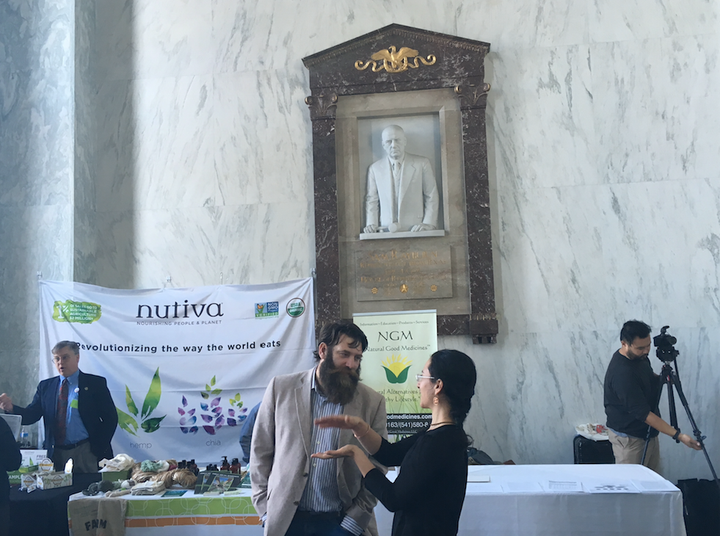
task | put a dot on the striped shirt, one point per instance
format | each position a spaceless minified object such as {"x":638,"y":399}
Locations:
{"x":321,"y":490}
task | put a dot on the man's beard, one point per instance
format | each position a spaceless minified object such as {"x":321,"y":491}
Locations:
{"x":633,"y":356}
{"x":338,"y":384}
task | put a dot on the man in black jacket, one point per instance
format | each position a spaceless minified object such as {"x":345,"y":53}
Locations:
{"x":631,"y":396}
{"x":77,"y":411}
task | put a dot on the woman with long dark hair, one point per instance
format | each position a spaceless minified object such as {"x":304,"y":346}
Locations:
{"x":428,"y":493}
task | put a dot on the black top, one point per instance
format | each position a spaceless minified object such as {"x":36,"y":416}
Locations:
{"x":428,"y":493}
{"x":10,"y":459}
{"x":631,"y":392}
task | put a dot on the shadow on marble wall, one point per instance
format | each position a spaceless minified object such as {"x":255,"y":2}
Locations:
{"x":105,"y":183}
{"x":84,"y":221}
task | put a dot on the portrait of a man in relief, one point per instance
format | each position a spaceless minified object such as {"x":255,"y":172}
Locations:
{"x":402,"y":193}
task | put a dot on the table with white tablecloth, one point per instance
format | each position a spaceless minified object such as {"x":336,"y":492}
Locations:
{"x":565,"y":500}
{"x":501,"y":500}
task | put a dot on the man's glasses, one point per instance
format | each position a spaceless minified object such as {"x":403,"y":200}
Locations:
{"x":56,"y":359}
{"x":419,"y":377}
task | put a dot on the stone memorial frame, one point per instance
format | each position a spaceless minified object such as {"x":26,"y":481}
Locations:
{"x":433,"y":86}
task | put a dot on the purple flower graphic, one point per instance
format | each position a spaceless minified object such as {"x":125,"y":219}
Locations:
{"x":212,"y":414}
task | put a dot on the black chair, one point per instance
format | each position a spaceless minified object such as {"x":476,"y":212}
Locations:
{"x":588,"y":451}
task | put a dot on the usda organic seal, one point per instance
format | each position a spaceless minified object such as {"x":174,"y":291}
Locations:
{"x":295,"y":307}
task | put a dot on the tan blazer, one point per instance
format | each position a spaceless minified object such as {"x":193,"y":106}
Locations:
{"x":280,"y":459}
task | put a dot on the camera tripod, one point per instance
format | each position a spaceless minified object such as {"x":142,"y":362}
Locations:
{"x":671,"y":379}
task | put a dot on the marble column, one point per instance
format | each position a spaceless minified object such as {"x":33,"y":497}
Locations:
{"x":36,"y":174}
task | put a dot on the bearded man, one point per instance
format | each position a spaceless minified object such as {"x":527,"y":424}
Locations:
{"x":293,"y":493}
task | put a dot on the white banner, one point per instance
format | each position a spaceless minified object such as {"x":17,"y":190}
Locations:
{"x":399,"y":345}
{"x":184,"y":366}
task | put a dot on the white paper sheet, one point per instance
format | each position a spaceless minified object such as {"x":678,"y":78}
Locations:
{"x":522,"y":487}
{"x":563,"y":486}
{"x":612,"y":487}
{"x":485,"y":487}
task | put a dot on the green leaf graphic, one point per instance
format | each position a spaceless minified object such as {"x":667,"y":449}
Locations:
{"x":204,"y":395}
{"x":152,"y":425}
{"x":216,"y":391}
{"x":152,"y":399}
{"x":390,"y":376}
{"x":402,"y":377}
{"x":130,"y":402}
{"x":212,"y":382}
{"x":207,"y":387}
{"x":126,"y":422}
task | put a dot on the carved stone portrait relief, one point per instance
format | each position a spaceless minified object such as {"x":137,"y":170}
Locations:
{"x":402,"y":219}
{"x":402,"y":194}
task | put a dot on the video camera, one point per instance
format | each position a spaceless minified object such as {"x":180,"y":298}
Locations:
{"x":664,"y":342}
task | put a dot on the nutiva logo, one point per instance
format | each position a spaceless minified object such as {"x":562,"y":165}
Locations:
{"x":180,"y":310}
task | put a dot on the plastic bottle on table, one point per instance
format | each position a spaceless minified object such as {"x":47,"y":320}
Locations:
{"x":24,"y":438}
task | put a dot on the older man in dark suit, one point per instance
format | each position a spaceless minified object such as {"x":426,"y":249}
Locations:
{"x":77,"y":410}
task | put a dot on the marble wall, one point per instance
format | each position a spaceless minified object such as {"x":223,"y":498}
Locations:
{"x":190,"y":163}
{"x":36,"y":173}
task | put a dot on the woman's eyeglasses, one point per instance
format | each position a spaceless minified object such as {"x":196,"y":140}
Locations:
{"x":419,"y":377}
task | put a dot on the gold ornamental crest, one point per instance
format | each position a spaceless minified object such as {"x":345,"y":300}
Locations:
{"x":395,"y":61}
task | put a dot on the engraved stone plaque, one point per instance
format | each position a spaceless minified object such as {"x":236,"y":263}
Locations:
{"x":403,"y":273}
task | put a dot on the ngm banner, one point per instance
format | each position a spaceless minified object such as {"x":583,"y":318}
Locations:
{"x":401,"y":343}
{"x":184,"y":366}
